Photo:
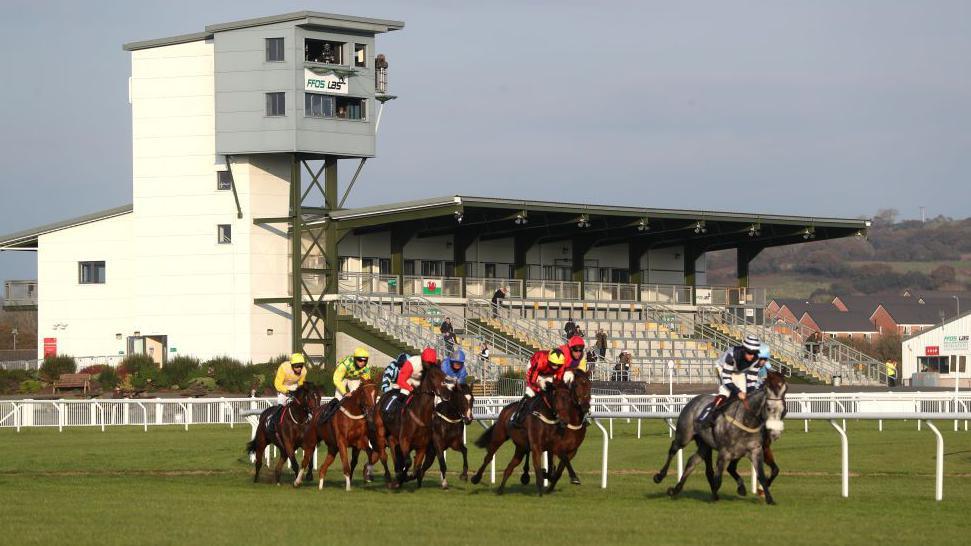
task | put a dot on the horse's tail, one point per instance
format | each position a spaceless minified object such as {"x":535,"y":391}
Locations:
{"x":251,"y":446}
{"x":486,"y":437}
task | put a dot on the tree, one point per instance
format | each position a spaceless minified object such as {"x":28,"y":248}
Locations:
{"x":943,"y":275}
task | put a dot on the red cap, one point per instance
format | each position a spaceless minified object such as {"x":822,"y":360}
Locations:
{"x":576,"y":341}
{"x":429,"y":355}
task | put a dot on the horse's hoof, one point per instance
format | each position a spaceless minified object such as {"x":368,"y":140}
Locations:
{"x":672,"y":492}
{"x":658,"y":478}
{"x":476,"y":479}
{"x":445,"y":486}
{"x":500,"y":491}
{"x":575,"y":481}
{"x":742,"y":491}
{"x":464,"y":477}
{"x":524,"y":479}
{"x":715,"y":497}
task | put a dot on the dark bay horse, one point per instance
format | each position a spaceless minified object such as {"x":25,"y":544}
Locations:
{"x":350,"y":427}
{"x":555,"y":425}
{"x":736,"y":432}
{"x":409,"y":427}
{"x":287,"y":429}
{"x":448,"y":427}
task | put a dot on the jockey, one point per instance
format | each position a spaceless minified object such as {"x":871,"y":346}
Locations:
{"x":454,"y":367}
{"x":545,"y":367}
{"x":739,"y":376}
{"x":289,"y":376}
{"x":410,"y":375}
{"x":390,"y":375}
{"x":350,"y":371}
{"x":347,"y":377}
{"x":575,"y":354}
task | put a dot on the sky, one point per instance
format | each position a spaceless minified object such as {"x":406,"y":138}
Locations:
{"x":818,"y":107}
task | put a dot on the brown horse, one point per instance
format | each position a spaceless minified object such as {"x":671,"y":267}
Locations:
{"x":286,"y":430}
{"x":409,"y":428}
{"x":351,"y":426}
{"x":544,"y":429}
{"x":448,"y":427}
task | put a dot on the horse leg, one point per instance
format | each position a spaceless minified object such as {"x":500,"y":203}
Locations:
{"x":723,"y":460}
{"x":537,"y":456}
{"x":513,"y":463}
{"x":524,"y":479}
{"x":464,"y":476}
{"x":574,"y":479}
{"x":557,"y":474}
{"x":355,"y":453}
{"x":692,"y":462}
{"x":733,"y":472}
{"x":672,"y":451}
{"x":331,"y":453}
{"x":770,"y":460}
{"x":441,"y":466}
{"x":345,"y":463}
{"x":496,"y":439}
{"x":309,"y":446}
{"x":260,"y":447}
{"x":758,"y":457}
{"x":419,"y":464}
{"x":705,"y":452}
{"x":278,"y":469}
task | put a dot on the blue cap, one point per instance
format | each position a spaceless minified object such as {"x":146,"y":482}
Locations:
{"x":459,"y":356}
{"x":764,"y":351}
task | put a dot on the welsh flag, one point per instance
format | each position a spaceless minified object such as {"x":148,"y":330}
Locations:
{"x":431,"y":287}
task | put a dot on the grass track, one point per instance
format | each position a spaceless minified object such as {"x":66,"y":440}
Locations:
{"x":170,"y":486}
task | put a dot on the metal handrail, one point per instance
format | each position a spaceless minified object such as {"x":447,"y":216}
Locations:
{"x":541,"y":336}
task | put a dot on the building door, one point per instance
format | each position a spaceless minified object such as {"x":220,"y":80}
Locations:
{"x":154,"y":346}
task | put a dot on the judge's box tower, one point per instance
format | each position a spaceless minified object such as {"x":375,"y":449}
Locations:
{"x":241,"y":128}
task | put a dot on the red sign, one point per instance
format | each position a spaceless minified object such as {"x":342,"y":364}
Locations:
{"x":932,"y":350}
{"x":50,"y":346}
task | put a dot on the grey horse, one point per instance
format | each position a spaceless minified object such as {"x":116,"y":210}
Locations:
{"x":735,"y":433}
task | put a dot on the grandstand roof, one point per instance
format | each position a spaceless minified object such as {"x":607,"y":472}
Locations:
{"x":491,"y":218}
{"x":28,"y":237}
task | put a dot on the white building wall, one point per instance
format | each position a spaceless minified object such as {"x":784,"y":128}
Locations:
{"x":916,"y":347}
{"x":86,"y":318}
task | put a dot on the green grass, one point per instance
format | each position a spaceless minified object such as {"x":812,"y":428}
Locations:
{"x":170,"y":486}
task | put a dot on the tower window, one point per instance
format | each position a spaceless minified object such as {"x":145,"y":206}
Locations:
{"x":360,"y":55}
{"x":323,"y":51}
{"x":224,"y":180}
{"x":224,"y":234}
{"x":91,"y":272}
{"x":274,"y":50}
{"x":276,"y":104}
{"x":329,"y":106}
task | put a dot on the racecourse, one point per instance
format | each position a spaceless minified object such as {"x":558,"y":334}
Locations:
{"x":170,"y":486}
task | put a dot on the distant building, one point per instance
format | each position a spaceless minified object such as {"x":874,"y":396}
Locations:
{"x":907,"y":318}
{"x":939,"y":355}
{"x":843,"y":325}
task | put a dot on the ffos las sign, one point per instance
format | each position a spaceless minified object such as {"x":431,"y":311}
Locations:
{"x":327,"y":83}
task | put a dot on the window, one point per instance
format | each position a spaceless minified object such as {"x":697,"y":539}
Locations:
{"x":276,"y":104}
{"x":318,"y":106}
{"x":328,"y":106}
{"x":380,"y":266}
{"x":224,"y":234}
{"x":323,"y":51}
{"x":350,"y":108}
{"x":91,"y":272}
{"x":409,"y":267}
{"x":274,"y":50}
{"x":431,"y":268}
{"x":360,"y":55}
{"x":224,"y":180}
{"x":619,"y":275}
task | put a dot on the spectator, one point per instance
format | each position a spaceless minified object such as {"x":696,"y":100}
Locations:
{"x":497,"y":298}
{"x":570,"y":328}
{"x":624,"y":366}
{"x":449,"y":339}
{"x":891,"y":373}
{"x":601,"y":345}
{"x":484,"y":353}
{"x":446,"y":326}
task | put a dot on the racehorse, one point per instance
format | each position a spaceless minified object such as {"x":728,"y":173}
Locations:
{"x":351,"y":426}
{"x":409,"y":428}
{"x":560,"y":433}
{"x":448,"y":426}
{"x":736,"y":432}
{"x":286,"y":429}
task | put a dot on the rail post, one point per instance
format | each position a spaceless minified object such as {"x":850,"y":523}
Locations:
{"x":603,"y":462}
{"x":845,"y":457}
{"x":680,"y":451}
{"x":939,"y":471}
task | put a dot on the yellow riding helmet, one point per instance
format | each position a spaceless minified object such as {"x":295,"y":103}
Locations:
{"x":361,"y":352}
{"x":556,"y":357}
{"x":297,"y":358}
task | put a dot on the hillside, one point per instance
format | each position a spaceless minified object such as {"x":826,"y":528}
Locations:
{"x":931,"y":255}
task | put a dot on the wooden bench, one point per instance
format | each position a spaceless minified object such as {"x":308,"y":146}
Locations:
{"x":73,"y":381}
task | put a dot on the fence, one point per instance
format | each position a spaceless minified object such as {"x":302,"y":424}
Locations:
{"x":81,"y":361}
{"x":924,"y":408}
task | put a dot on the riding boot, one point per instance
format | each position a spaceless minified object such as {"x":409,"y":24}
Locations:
{"x":331,"y":409}
{"x":711,"y":411}
{"x":517,"y":418}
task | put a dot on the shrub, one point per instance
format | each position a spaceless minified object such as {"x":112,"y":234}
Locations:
{"x":31,"y":386}
{"x":108,"y":378}
{"x":54,"y":366}
{"x":207,"y":383}
{"x":322,"y":377}
{"x":10,"y":380}
{"x":230,"y":374}
{"x":178,"y":371}
{"x":93,"y":370}
{"x":140,"y":369}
